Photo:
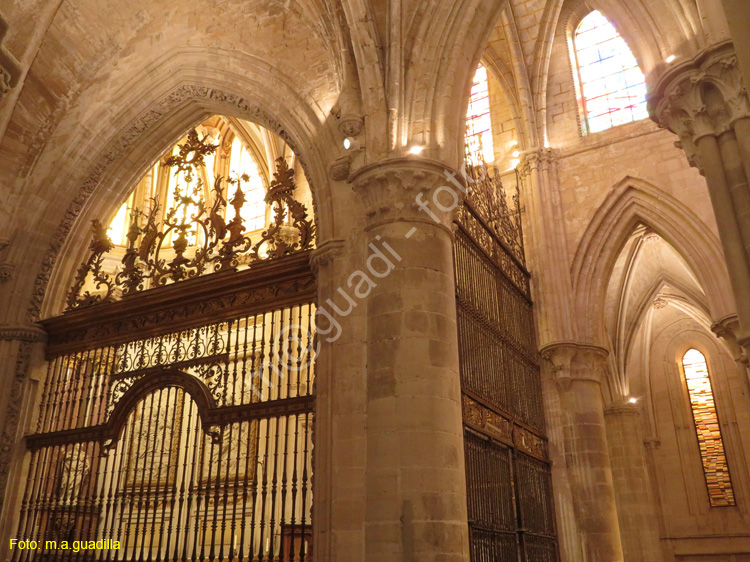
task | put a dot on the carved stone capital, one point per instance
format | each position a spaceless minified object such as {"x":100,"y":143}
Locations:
{"x":23,"y":332}
{"x":573,"y":361}
{"x":727,"y":329}
{"x":410,"y":189}
{"x":536,"y":159}
{"x":326,"y":253}
{"x":702,"y":96}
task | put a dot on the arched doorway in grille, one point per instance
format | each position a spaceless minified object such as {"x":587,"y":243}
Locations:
{"x":176,"y":416}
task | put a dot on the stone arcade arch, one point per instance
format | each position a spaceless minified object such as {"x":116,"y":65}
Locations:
{"x":628,"y":204}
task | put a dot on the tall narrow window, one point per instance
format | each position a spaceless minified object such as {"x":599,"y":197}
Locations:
{"x":715,"y":467}
{"x":478,"y":125}
{"x":612,"y":86}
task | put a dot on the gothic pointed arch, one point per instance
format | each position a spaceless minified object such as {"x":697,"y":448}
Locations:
{"x":108,"y":158}
{"x":632,"y":202}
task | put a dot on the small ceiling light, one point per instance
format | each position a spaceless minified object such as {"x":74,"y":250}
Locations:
{"x":347,"y":143}
{"x":416,"y":149}
{"x":633,"y":400}
{"x":516,"y":154}
{"x":670,"y":58}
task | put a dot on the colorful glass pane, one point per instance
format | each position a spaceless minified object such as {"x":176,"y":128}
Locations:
{"x":612,"y":85}
{"x":713,"y":455}
{"x":478,"y":124}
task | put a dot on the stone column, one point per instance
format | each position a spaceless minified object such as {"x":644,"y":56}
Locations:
{"x":21,"y":355}
{"x":578,"y":370}
{"x":339,"y":444}
{"x":552,"y":289}
{"x":635,"y":502}
{"x":547,"y":250}
{"x":415,"y":482}
{"x":705,"y":103}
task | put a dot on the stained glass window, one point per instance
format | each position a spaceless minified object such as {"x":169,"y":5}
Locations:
{"x":715,"y":467}
{"x":613,"y":89}
{"x":478,"y":125}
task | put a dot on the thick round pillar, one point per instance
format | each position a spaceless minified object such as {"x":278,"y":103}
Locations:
{"x":578,"y":371}
{"x":415,"y":481}
{"x":635,"y":501}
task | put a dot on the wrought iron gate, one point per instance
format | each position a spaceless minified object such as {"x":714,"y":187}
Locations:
{"x":177,"y":426}
{"x":176,"y":422}
{"x":510,"y":502}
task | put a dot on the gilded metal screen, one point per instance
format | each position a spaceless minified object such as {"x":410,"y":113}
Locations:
{"x":510,"y":502}
{"x":177,"y":426}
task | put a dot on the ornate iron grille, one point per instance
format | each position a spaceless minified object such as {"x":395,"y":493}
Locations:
{"x":178,"y":426}
{"x":510,"y":506}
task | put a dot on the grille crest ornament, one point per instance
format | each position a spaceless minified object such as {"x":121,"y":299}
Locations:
{"x":193,"y":238}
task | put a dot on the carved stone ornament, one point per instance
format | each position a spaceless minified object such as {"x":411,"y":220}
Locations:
{"x":6,"y":272}
{"x":727,"y":329}
{"x":573,"y":361}
{"x":158,"y":253}
{"x":402,"y":188}
{"x":26,"y":333}
{"x":351,"y":125}
{"x":703,"y":96}
{"x":558,"y":359}
{"x":338,"y":170}
{"x":538,"y":159}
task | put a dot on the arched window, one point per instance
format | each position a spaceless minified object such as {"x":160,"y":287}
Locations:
{"x":612,"y":89}
{"x":713,"y":455}
{"x":479,"y":146}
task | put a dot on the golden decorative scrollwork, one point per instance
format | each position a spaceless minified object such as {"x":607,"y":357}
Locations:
{"x":500,"y":213}
{"x":161,"y":251}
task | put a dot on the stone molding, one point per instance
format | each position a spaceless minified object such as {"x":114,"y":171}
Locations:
{"x":326,"y":253}
{"x":624,"y":409}
{"x":23,"y":332}
{"x":391,"y":188}
{"x":574,"y":361}
{"x":678,"y":102}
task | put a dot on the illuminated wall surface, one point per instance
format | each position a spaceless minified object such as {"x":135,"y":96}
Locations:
{"x":713,"y":455}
